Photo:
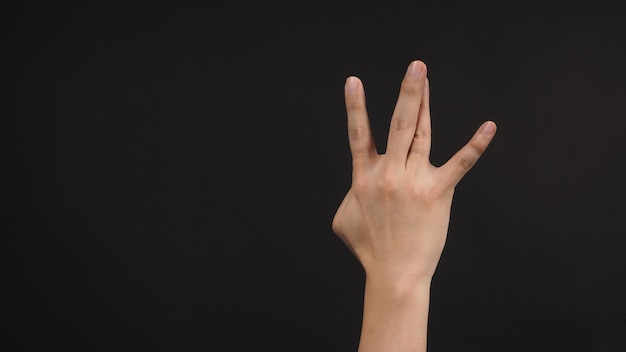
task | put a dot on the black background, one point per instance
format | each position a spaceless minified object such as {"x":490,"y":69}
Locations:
{"x":172,"y":170}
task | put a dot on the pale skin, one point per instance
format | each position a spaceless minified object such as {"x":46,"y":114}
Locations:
{"x":395,"y":216}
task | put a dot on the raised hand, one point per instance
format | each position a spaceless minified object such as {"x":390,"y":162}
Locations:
{"x":395,"y":216}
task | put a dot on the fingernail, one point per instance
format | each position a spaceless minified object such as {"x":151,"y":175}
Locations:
{"x":351,"y":84}
{"x":488,"y":128}
{"x":415,"y":69}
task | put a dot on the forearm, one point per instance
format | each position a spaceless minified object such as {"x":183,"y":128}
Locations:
{"x":395,"y":314}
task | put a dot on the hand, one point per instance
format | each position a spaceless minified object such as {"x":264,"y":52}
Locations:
{"x":395,"y":216}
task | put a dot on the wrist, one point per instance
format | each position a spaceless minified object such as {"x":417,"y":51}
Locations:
{"x":396,"y":283}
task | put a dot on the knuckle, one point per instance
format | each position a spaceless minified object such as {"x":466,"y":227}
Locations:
{"x":421,"y":141}
{"x":419,"y":148}
{"x":421,"y":134}
{"x":389,"y":183}
{"x":465,"y":163}
{"x":400,"y":124}
{"x":418,"y":193}
{"x":423,"y":196}
{"x":360,"y":185}
{"x":411,"y":87}
{"x":476,"y":146}
{"x":357,"y":132}
{"x":469,"y":158}
{"x":354,"y":105}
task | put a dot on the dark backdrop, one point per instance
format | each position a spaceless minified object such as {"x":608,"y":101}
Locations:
{"x":172,"y":170}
